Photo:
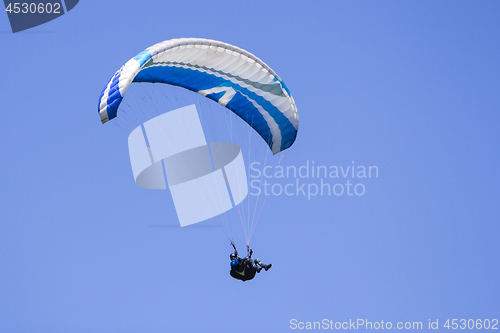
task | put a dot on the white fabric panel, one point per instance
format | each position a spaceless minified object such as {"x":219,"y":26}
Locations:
{"x":204,"y":52}
{"x":129,"y":71}
{"x":230,"y":92}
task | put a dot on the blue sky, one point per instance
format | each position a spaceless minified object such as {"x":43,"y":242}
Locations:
{"x":410,"y":87}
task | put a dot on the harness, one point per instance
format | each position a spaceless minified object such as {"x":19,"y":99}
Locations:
{"x":243,"y":273}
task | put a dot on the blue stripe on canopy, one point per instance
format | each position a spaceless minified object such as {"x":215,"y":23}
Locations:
{"x":196,"y":81}
{"x":114,"y":96}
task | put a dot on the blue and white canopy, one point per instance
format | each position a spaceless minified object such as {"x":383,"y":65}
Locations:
{"x":224,"y":73}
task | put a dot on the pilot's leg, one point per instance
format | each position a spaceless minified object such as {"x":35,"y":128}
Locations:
{"x":261,"y":265}
{"x":257,"y":265}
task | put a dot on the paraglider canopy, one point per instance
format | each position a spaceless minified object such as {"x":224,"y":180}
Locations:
{"x":222,"y":72}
